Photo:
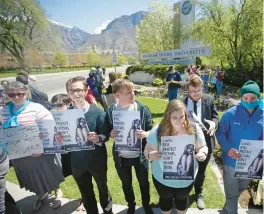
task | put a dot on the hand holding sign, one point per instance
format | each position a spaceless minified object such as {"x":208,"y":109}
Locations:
{"x":211,"y":129}
{"x":93,"y":137}
{"x":233,"y":153}
{"x":200,"y":156}
{"x":154,"y":155}
{"x":141,"y":134}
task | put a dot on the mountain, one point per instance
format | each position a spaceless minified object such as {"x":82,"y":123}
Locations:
{"x":67,"y":37}
{"x":119,"y":34}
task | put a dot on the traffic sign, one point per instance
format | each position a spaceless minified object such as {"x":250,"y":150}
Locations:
{"x":114,"y":58}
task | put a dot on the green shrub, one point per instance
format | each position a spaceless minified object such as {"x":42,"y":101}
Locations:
{"x":157,"y":82}
{"x":126,"y":77}
{"x":159,"y":71}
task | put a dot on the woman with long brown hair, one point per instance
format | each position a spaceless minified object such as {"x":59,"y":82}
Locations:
{"x":175,"y":122}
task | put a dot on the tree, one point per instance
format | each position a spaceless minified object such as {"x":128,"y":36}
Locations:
{"x":21,"y":24}
{"x":93,"y":58}
{"x":60,"y":59}
{"x":155,"y":32}
{"x":234,"y":29}
{"x":121,"y":60}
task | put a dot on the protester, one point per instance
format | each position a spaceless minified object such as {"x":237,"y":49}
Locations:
{"x":91,"y":83}
{"x":4,"y":83}
{"x":90,"y":97}
{"x":39,"y":173}
{"x":174,"y":122}
{"x":204,"y":108}
{"x":4,"y":167}
{"x":63,"y":102}
{"x":35,"y":95}
{"x":173,"y":80}
{"x":219,"y":82}
{"x":206,"y":77}
{"x":112,"y":78}
{"x":244,"y":121}
{"x":125,"y":160}
{"x":90,"y":164}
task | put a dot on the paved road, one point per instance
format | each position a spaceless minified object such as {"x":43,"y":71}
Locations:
{"x":55,"y":83}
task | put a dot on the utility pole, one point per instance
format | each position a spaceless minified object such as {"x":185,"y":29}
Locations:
{"x":114,"y":58}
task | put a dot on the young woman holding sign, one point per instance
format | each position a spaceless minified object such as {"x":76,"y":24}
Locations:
{"x":175,"y":122}
{"x":38,"y":173}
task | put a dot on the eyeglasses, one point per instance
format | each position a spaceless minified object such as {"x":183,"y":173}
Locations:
{"x":77,"y":91}
{"x":13,"y":95}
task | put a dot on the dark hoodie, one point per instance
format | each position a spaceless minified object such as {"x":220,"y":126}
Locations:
{"x":145,"y":116}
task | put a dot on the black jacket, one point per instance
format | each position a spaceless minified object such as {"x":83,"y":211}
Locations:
{"x":40,"y":97}
{"x":209,"y":112}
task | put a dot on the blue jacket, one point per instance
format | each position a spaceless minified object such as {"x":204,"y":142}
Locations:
{"x":235,"y":125}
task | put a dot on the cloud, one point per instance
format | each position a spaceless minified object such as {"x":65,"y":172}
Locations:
{"x":101,"y":27}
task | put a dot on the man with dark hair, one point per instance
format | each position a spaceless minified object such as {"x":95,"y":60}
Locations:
{"x":88,"y":164}
{"x":204,"y":108}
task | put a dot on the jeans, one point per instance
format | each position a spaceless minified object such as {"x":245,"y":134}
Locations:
{"x":233,"y":188}
{"x":173,"y":94}
{"x":125,"y":175}
{"x":219,"y":87}
{"x":206,"y":85}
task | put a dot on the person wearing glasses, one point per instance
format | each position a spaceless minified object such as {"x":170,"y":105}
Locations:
{"x":203,"y":107}
{"x":38,"y":173}
{"x":88,"y":164}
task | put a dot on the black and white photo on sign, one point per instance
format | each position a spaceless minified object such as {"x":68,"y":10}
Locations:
{"x":250,"y":163}
{"x":126,"y":123}
{"x":52,"y":142}
{"x":21,"y":141}
{"x":178,"y":157}
{"x":71,"y":124}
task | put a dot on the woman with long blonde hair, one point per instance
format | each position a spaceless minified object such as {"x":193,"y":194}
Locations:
{"x":175,"y":122}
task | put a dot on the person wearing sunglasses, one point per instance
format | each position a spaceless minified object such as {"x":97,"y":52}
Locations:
{"x":38,"y":173}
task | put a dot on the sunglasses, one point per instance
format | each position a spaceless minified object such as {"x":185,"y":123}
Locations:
{"x":13,"y":95}
{"x":77,"y":91}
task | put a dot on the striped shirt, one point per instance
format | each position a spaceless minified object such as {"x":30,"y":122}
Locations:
{"x":31,"y":113}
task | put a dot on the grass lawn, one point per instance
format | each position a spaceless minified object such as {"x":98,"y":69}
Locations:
{"x":213,"y":195}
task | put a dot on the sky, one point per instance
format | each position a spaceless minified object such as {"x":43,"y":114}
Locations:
{"x":93,"y":16}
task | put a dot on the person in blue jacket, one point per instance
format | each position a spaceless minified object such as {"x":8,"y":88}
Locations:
{"x":244,"y":121}
{"x":174,"y":82}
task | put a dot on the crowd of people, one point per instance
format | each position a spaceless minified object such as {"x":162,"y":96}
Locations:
{"x":175,"y":80}
{"x":43,"y":173}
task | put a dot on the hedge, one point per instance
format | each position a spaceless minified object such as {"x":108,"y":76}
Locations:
{"x":159,"y":71}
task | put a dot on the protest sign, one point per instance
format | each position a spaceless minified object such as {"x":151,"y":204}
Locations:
{"x":21,"y":141}
{"x":178,"y":157}
{"x":126,"y":123}
{"x":51,"y":142}
{"x":71,"y":124}
{"x":250,"y":163}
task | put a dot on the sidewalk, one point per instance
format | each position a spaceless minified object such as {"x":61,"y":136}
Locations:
{"x":26,"y":199}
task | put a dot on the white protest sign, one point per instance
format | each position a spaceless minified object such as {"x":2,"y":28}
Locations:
{"x":71,"y":124}
{"x":178,"y":157}
{"x":250,"y":163}
{"x":178,"y":53}
{"x":126,"y":123}
{"x":171,"y":62}
{"x":51,"y":144}
{"x":21,"y":141}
